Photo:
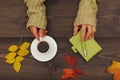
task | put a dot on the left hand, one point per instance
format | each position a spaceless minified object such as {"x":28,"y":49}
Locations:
{"x":38,"y":32}
{"x":87,"y":30}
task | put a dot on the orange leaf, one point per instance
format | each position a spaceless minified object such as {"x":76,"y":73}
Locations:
{"x":68,"y":73}
{"x":115,"y":70}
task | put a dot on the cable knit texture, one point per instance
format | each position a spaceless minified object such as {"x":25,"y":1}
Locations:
{"x":36,"y":13}
{"x":86,"y":13}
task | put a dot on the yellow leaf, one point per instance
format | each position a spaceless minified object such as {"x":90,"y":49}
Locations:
{"x":25,"y":45}
{"x":19,"y":58}
{"x":10,"y":55}
{"x":23,"y":52}
{"x":17,"y":66}
{"x":10,"y":61}
{"x":114,"y":69}
{"x":13,"y":48}
{"x":116,"y":63}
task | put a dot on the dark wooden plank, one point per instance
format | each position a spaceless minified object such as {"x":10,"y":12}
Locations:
{"x":60,"y":21}
{"x":52,"y":70}
{"x":108,"y":18}
{"x":61,"y":14}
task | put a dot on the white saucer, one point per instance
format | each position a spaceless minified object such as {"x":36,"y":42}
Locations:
{"x":50,"y":54}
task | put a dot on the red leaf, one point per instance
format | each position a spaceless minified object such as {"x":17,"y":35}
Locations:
{"x":74,"y":61}
{"x":71,"y":60}
{"x":68,"y":59}
{"x":75,"y":74}
{"x":79,"y":71}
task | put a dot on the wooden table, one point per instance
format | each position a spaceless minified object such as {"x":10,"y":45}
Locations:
{"x":52,"y":70}
{"x":61,"y":14}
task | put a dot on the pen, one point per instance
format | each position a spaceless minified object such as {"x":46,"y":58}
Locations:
{"x":84,"y":49}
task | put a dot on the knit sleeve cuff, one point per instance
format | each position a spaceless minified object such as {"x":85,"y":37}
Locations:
{"x":37,"y":20}
{"x":36,"y":13}
{"x":88,"y":18}
{"x":86,"y":13}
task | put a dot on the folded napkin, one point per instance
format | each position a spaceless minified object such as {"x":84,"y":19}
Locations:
{"x":88,"y":49}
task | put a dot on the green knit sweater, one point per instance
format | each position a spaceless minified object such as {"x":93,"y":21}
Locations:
{"x":37,"y":13}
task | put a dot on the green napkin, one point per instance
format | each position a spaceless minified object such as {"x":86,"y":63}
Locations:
{"x":88,"y":49}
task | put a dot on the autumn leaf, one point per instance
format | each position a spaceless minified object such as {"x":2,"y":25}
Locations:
{"x":75,"y":75}
{"x":74,"y":61}
{"x":17,"y":66}
{"x":68,"y":73}
{"x":71,"y":60}
{"x":16,"y":55}
{"x":79,"y":71}
{"x":25,"y":45}
{"x":71,"y":73}
{"x":114,"y":69}
{"x":13,"y":48}
{"x":11,"y":55}
{"x":19,"y":58}
{"x":23,"y":52}
{"x":76,"y":72}
{"x":10,"y":61}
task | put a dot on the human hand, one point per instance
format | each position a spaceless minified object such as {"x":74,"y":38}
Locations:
{"x":87,"y":30}
{"x":38,"y":32}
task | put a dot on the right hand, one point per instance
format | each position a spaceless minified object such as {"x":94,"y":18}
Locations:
{"x":38,"y":32}
{"x":87,"y":30}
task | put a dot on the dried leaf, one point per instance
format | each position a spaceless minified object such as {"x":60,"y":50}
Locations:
{"x":75,"y":75}
{"x":68,"y":73}
{"x":10,"y":61}
{"x":114,"y":69}
{"x":13,"y":48}
{"x":23,"y":52}
{"x":19,"y":58}
{"x":71,"y":60}
{"x":79,"y":71}
{"x":74,"y":61}
{"x":25,"y":45}
{"x":17,"y":66}
{"x":76,"y":72}
{"x":11,"y":55}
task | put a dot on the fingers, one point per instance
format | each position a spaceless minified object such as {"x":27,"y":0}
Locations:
{"x":83,"y":30}
{"x":34,"y":31}
{"x":94,"y":30}
{"x":42,"y":32}
{"x":88,"y":32}
{"x":38,"y":32}
{"x":75,"y":30}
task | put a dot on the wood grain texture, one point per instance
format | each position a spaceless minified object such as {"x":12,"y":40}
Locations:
{"x":61,"y":14}
{"x":52,"y":70}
